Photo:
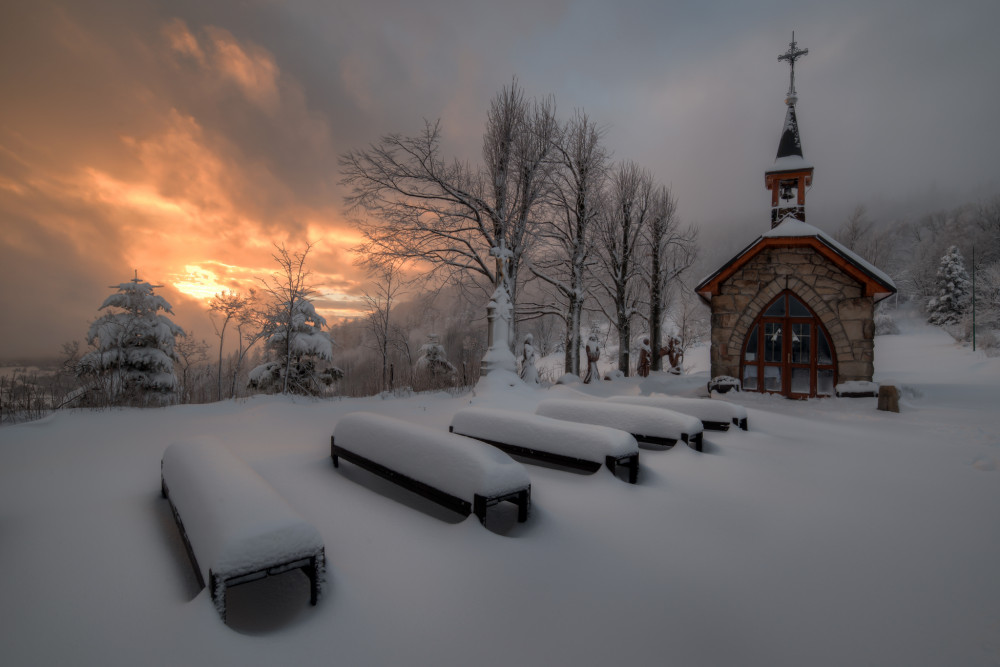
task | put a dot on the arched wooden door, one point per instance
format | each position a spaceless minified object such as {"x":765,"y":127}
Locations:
{"x":788,"y":351}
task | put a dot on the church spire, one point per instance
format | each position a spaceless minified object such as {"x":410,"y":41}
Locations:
{"x":791,"y":174}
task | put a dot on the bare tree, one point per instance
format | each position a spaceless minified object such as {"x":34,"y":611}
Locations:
{"x":860,"y":235}
{"x":621,"y":227}
{"x":566,"y":240}
{"x":190,"y":353}
{"x":670,"y":250}
{"x":229,"y":307}
{"x":464,"y":221}
{"x":389,"y":285}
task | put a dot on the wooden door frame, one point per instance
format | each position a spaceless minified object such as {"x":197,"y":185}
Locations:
{"x":786,"y":321}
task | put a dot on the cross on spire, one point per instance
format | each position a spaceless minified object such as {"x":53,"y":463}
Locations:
{"x":791,"y":55}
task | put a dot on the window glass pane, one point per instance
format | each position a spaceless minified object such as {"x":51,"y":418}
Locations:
{"x":797,"y":309}
{"x":772,"y":341}
{"x":824,"y":383}
{"x":801,"y":344}
{"x":750,"y":378}
{"x":824,"y":356}
{"x":800,"y":380}
{"x":777,"y":309}
{"x":772,"y":378}
{"x":751,"y":349}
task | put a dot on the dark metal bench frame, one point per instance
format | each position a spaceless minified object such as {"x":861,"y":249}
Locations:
{"x":629,"y":461}
{"x":521,"y":497}
{"x":692,"y":441}
{"x":716,"y":426}
{"x":310,"y":566}
{"x":724,"y":426}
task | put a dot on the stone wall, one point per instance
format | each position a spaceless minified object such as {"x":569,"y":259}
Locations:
{"x":835,"y":297}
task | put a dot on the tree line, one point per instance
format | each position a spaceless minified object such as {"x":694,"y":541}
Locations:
{"x":546,"y":215}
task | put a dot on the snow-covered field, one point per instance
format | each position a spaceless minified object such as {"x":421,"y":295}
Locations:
{"x":829,"y":534}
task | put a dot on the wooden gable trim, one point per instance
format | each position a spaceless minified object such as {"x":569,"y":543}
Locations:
{"x":872,"y":286}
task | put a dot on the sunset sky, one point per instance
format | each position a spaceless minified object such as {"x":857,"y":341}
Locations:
{"x":180,"y":139}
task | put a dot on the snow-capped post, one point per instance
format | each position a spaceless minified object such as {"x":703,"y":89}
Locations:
{"x":134,"y":354}
{"x":529,"y":372}
{"x":500,"y":315}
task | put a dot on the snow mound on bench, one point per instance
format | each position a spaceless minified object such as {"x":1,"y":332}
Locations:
{"x":451,"y":463}
{"x":636,"y":419}
{"x":705,"y":409}
{"x":236,"y":522}
{"x":587,"y":442}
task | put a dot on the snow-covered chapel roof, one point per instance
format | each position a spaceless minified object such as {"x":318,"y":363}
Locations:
{"x":792,"y":228}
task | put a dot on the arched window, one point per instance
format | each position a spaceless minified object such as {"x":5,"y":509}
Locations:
{"x":787,"y":351}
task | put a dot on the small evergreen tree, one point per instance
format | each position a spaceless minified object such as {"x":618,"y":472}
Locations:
{"x":294,"y":335}
{"x":133,"y":356}
{"x":298,"y":352}
{"x":953,"y":290}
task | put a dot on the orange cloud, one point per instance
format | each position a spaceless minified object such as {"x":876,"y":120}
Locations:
{"x":182,"y":41}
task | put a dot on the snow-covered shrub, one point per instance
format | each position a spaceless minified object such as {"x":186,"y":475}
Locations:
{"x":133,"y":357}
{"x":885,"y":324}
{"x":433,"y":369}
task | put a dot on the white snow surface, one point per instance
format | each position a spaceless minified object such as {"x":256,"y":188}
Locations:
{"x":582,"y":441}
{"x":789,"y":163}
{"x":856,"y":387}
{"x":831,"y":534}
{"x":452,"y":463}
{"x":235,"y":521}
{"x":654,"y":422}
{"x":705,"y":409}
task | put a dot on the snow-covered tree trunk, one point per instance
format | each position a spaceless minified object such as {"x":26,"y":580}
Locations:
{"x":670,"y":251}
{"x":566,"y":240}
{"x":627,"y":213}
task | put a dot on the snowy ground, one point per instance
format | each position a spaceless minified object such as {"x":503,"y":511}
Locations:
{"x":830,"y":534}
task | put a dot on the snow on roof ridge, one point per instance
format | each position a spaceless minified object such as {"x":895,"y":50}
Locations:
{"x":791,"y":227}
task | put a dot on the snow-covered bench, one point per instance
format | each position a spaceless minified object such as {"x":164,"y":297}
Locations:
{"x":460,"y":473}
{"x":654,"y":426}
{"x":550,"y":440}
{"x":235,"y":527}
{"x":714,"y":414}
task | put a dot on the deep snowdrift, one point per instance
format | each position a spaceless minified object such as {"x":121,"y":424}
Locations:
{"x":829,"y":534}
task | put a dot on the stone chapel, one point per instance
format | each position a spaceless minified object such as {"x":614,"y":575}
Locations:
{"x":793,"y":312}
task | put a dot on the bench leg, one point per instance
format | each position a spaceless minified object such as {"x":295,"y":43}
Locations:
{"x":312,"y":571}
{"x":523,"y":499}
{"x":217,"y":589}
{"x":633,"y":469}
{"x":479,"y":507}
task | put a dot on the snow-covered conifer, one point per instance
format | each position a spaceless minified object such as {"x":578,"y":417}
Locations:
{"x":133,"y":356}
{"x":300,"y":350}
{"x":307,"y":346}
{"x":953,"y":290}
